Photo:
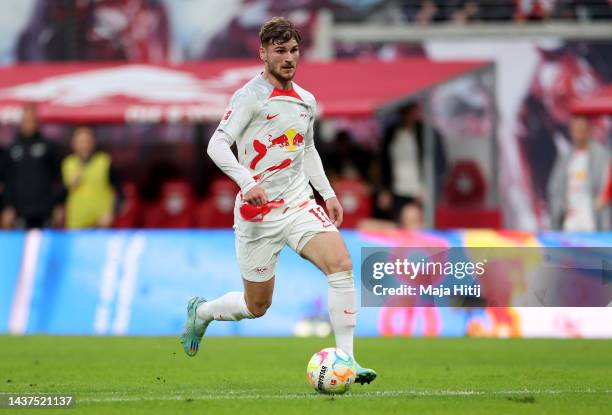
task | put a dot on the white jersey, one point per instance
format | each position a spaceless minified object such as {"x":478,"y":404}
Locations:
{"x":579,"y":216}
{"x":273,"y":130}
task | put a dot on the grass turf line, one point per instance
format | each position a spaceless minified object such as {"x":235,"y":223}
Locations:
{"x":151,"y":375}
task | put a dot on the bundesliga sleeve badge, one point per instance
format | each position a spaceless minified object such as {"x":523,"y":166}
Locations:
{"x":227,"y":115}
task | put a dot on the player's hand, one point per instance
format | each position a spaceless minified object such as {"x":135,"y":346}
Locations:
{"x":336,"y":214}
{"x":257,"y":196}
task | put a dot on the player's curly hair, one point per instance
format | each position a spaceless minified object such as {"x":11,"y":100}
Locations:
{"x":278,"y":30}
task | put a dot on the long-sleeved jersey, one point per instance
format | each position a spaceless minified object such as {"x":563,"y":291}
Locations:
{"x":273,"y":132}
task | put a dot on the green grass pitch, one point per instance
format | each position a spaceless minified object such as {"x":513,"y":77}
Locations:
{"x":232,"y":375}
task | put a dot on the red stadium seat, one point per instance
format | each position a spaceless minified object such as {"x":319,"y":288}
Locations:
{"x":173,"y":209}
{"x":355,"y":200}
{"x":453,"y":218}
{"x":466,"y":185}
{"x":130,"y":211}
{"x":463,"y":201}
{"x":217,"y":210}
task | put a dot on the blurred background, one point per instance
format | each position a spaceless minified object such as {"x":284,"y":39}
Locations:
{"x":453,"y":122}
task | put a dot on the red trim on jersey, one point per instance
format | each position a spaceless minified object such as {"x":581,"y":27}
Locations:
{"x":282,"y":93}
{"x":282,"y":165}
{"x":261,"y":150}
{"x":253,"y":213}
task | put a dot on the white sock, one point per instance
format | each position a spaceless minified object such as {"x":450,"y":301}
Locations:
{"x":229,"y":307}
{"x":342,"y":307}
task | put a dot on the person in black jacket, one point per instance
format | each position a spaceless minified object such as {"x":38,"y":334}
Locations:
{"x":347,"y":159}
{"x":401,"y":164}
{"x":2,"y":179}
{"x":33,"y":191}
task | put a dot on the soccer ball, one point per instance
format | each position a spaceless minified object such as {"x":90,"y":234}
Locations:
{"x":331,"y":371}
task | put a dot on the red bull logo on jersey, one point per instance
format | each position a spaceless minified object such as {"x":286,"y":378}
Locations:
{"x":290,"y":140}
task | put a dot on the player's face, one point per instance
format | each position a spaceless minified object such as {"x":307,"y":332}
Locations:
{"x":281,"y":59}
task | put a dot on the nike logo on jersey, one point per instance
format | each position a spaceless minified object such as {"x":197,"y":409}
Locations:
{"x":269,"y":117}
{"x":349,"y":312}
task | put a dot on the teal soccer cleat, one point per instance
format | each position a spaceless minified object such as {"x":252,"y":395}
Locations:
{"x":194,"y":327}
{"x":364,"y":375}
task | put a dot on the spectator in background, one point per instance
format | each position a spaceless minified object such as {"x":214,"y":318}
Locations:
{"x":585,"y":10}
{"x":92,"y":183}
{"x":577,"y":181}
{"x":498,"y":11}
{"x":534,"y":9}
{"x":463,"y":11}
{"x":2,"y":178}
{"x":33,"y":193}
{"x":347,"y":159}
{"x":401,"y":163}
{"x":423,"y":12}
{"x":60,"y":30}
{"x":410,"y":219}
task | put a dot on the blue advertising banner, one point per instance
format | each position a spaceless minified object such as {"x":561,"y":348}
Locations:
{"x":11,"y":252}
{"x":138,"y":282}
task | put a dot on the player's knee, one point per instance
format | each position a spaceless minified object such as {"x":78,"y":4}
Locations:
{"x":339,"y":264}
{"x":259,"y":311}
{"x":259,"y":308}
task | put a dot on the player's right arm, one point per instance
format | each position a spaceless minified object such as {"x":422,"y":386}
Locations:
{"x":236,"y":119}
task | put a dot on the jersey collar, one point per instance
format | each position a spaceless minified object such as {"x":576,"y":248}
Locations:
{"x":282,"y":93}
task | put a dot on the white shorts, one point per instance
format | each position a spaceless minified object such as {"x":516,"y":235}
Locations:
{"x":258,"y":244}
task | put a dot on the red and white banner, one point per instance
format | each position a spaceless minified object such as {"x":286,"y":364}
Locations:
{"x":112,"y":93}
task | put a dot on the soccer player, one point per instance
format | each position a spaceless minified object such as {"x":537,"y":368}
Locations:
{"x":271,"y":121}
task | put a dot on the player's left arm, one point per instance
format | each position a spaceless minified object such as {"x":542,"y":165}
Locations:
{"x":313,"y":167}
